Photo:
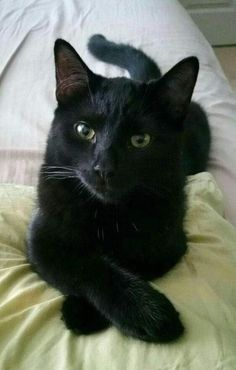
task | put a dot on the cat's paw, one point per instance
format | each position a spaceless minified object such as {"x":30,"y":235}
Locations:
{"x":81,"y":317}
{"x":151,"y":317}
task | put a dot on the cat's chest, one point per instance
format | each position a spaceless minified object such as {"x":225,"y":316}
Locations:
{"x":110,"y":227}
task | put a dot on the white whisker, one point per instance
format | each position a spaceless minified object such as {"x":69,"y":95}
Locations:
{"x":102,"y":234}
{"x":58,"y":172}
{"x":64,"y":173}
{"x":117,"y":226}
{"x":134,"y":226}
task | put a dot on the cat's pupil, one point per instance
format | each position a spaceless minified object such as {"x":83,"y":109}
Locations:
{"x":140,"y":140}
{"x":85,"y":131}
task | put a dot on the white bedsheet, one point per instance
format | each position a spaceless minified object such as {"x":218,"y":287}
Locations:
{"x":162,"y":29}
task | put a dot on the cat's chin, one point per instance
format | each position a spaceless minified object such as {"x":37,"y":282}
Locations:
{"x":103,"y":194}
{"x":107,"y":196}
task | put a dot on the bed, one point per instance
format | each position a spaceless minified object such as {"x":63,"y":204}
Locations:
{"x":203,"y":285}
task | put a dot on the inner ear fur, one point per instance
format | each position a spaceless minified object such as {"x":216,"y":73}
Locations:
{"x":72,"y":74}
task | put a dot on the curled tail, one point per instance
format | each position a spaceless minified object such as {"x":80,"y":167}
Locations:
{"x":139,"y":65}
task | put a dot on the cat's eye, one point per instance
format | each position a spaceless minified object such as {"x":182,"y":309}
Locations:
{"x":140,"y":141}
{"x":84,"y":131}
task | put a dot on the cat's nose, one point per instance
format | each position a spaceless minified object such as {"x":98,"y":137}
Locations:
{"x":103,"y":173}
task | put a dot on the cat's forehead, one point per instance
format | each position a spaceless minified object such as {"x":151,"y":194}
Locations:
{"x":119,"y":95}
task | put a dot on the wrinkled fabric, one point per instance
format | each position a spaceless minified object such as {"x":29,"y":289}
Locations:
{"x":162,"y":29}
{"x":202,"y":287}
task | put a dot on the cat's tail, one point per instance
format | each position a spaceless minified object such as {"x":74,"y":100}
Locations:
{"x":139,"y":65}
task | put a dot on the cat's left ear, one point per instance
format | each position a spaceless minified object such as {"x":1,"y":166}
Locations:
{"x":174,"y":90}
{"x":72,"y":74}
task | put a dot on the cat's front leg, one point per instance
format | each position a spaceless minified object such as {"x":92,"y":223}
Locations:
{"x":116,"y":296}
{"x":123,"y":299}
{"x":77,"y":269}
{"x":82,"y":317}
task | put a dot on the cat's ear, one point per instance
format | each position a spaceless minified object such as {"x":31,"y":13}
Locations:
{"x":174,"y":90}
{"x":72,"y":74}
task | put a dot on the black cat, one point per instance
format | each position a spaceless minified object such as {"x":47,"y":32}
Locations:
{"x":111,"y":189}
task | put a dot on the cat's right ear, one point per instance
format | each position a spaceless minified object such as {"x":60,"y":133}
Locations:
{"x":72,"y":74}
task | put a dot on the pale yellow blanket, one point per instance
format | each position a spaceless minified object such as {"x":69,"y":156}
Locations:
{"x":202,"y":287}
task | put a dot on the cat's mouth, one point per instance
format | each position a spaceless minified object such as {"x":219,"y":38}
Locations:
{"x":101,"y":190}
{"x":105,"y":193}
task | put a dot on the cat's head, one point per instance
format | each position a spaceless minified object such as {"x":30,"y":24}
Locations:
{"x":117,"y":134}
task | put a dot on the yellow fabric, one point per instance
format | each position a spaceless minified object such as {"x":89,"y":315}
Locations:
{"x":202,"y":287}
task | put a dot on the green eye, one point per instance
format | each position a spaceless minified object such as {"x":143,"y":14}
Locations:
{"x":140,"y":141}
{"x":85,"y":131}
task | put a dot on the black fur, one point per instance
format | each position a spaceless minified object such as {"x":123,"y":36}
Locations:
{"x":139,"y":65}
{"x":110,"y":215}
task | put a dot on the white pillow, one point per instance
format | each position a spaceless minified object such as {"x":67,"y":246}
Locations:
{"x":162,"y":29}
